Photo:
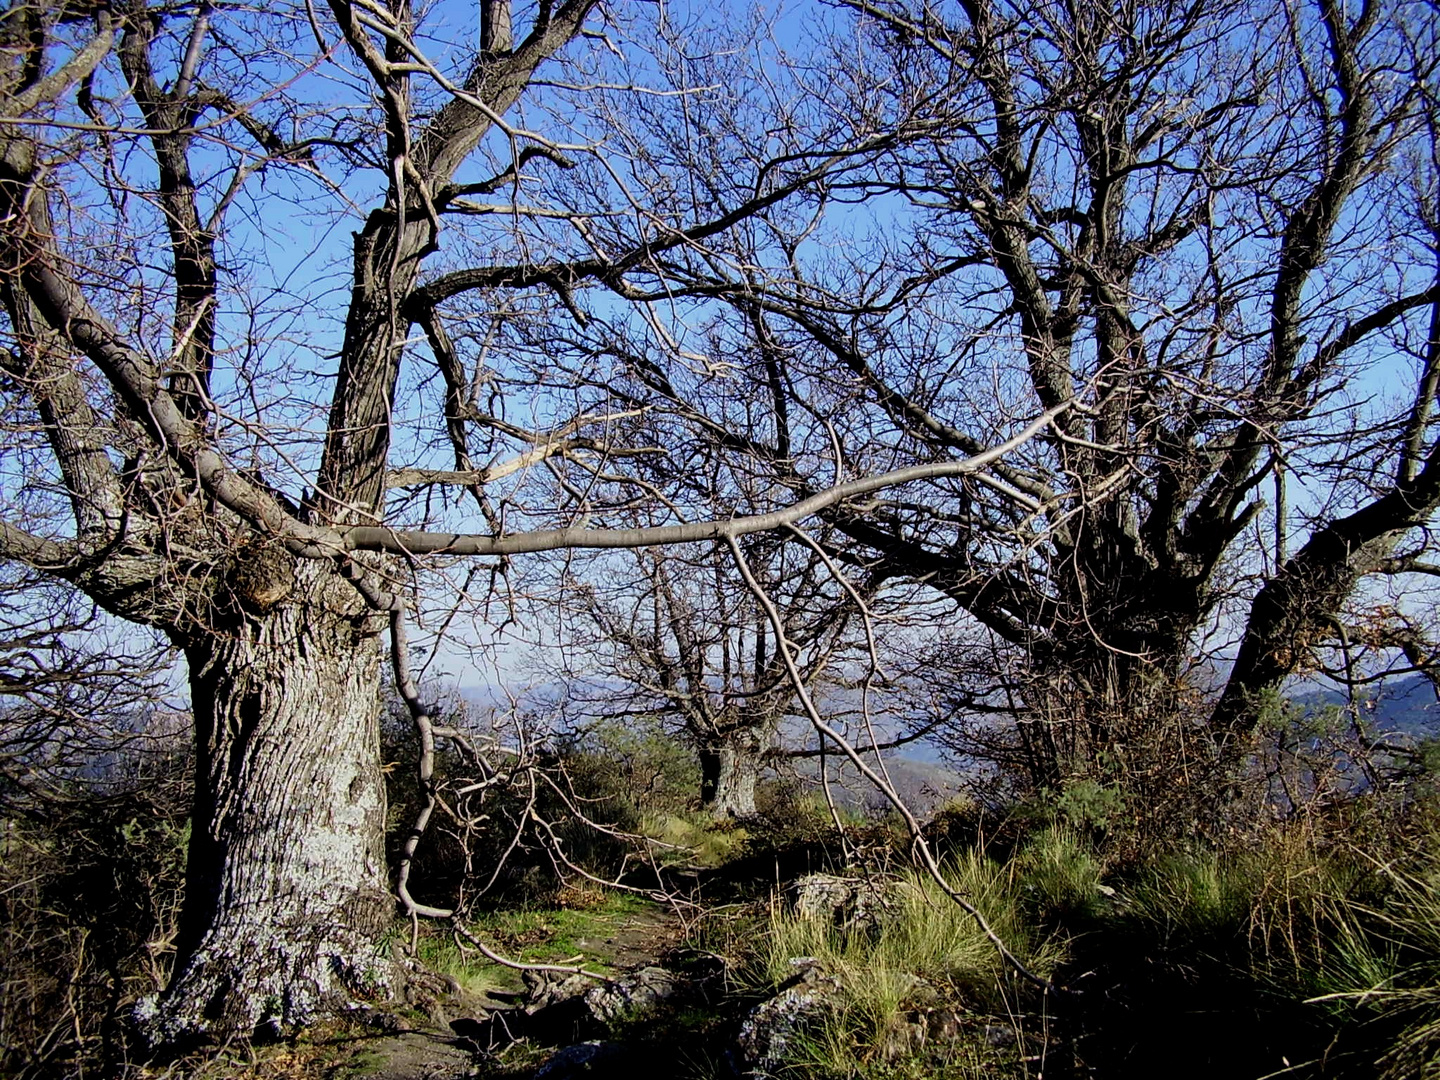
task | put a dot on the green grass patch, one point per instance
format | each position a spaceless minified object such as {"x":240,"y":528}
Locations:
{"x":694,"y":839}
{"x":930,"y":936}
{"x":536,"y":935}
{"x":930,"y":956}
{"x":1060,"y":878}
{"x":1383,"y":971}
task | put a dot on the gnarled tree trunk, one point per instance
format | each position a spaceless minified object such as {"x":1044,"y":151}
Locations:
{"x":286,"y":894}
{"x":729,"y":771}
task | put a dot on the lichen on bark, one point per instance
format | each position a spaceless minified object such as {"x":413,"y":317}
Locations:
{"x":286,"y":893}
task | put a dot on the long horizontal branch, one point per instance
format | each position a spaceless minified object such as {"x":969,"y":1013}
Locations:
{"x":82,"y":63}
{"x":370,"y":538}
{"x":136,"y":380}
{"x":26,"y":547}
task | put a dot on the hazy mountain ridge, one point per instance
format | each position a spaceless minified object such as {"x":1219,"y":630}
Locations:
{"x":1405,"y":707}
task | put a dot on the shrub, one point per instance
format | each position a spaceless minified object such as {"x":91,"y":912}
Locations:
{"x":89,"y":901}
{"x":1059,"y":877}
{"x":1383,"y":970}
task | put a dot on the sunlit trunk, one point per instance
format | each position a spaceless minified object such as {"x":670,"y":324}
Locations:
{"x":286,"y":892}
{"x":729,"y":771}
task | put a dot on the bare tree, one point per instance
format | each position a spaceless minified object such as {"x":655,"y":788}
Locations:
{"x":81,"y":702}
{"x":286,"y":888}
{"x":216,"y":420}
{"x":678,"y":639}
{"x":1231,"y":236}
{"x":1132,"y":252}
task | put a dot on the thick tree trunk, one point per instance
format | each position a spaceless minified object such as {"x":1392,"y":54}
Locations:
{"x":286,"y":893}
{"x":729,"y":771}
{"x":1105,"y":699}
{"x":1298,"y":607}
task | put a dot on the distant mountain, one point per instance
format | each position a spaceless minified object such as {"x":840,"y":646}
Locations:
{"x":923,"y":786}
{"x":1404,"y":706}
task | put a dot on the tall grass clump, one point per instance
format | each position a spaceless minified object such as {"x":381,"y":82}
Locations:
{"x":1383,"y":972}
{"x":1206,"y":954}
{"x":1060,"y":877}
{"x":693,"y":837}
{"x":926,"y":952}
{"x":1267,"y":908}
{"x":1195,"y":898}
{"x":925,"y":935}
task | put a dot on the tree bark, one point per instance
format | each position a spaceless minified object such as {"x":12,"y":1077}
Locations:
{"x":286,"y":892}
{"x":729,"y":771}
{"x":1298,"y":608}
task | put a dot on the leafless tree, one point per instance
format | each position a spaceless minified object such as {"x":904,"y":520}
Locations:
{"x":1230,"y":233}
{"x":1225,"y":236}
{"x":253,"y":451}
{"x":1026,"y":305}
{"x":81,"y":703}
{"x":674,"y":636}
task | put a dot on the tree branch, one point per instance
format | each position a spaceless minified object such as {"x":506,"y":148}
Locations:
{"x":367,"y":538}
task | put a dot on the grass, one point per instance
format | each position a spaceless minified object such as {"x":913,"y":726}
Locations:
{"x":1060,"y":877}
{"x":694,"y":839}
{"x":1227,"y":957}
{"x":1383,"y":971}
{"x":929,"y":955}
{"x":473,"y":974}
{"x":1273,"y":906}
{"x":1259,"y":951}
{"x":577,"y":932}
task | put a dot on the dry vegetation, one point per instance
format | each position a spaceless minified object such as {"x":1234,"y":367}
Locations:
{"x":1304,"y":946}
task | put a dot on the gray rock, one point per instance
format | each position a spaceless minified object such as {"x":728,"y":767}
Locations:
{"x":631,"y":995}
{"x":414,"y":1055}
{"x":562,"y":1008}
{"x":943,"y":1025}
{"x":552,"y":987}
{"x":1000,"y":1036}
{"x":904,"y":1037}
{"x":769,"y":1033}
{"x":587,"y":1059}
{"x":850,"y":903}
{"x":821,"y":896}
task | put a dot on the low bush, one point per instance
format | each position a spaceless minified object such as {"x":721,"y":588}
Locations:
{"x":1060,"y":878}
{"x":1381,"y":972}
{"x":89,"y":902}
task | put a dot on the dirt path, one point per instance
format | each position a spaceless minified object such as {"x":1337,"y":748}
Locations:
{"x":637,"y":939}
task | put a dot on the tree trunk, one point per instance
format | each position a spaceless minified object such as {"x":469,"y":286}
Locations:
{"x":1298,"y":607}
{"x":729,"y":770}
{"x":286,"y":893}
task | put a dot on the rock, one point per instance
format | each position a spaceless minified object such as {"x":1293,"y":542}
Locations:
{"x":820,"y":896}
{"x":631,"y":995}
{"x":588,"y":1059}
{"x":1000,"y":1036}
{"x":858,"y":903}
{"x":904,"y":1037}
{"x":921,"y":994}
{"x":414,"y":1055}
{"x":771,"y":1029}
{"x":943,"y":1025}
{"x":551,"y":987}
{"x":564,"y":1008}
